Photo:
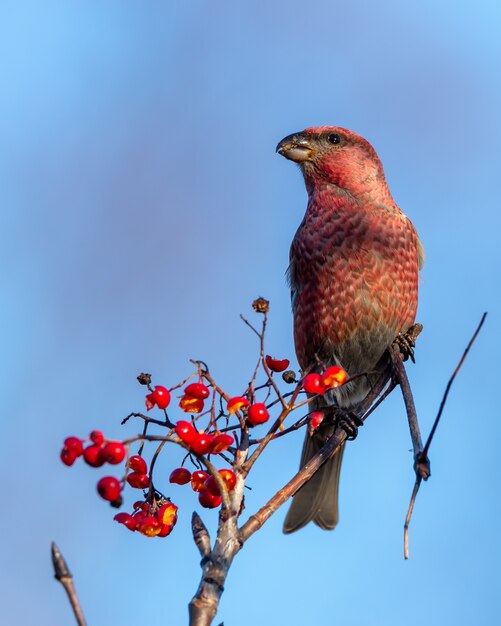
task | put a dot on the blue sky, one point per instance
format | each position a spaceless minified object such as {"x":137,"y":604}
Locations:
{"x":143,"y":209}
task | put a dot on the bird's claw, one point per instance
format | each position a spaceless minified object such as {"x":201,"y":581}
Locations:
{"x":405,"y":342}
{"x":349,"y":422}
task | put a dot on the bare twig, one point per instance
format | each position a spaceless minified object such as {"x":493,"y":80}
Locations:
{"x":421,"y":462}
{"x":424,"y":453}
{"x":64,"y":576}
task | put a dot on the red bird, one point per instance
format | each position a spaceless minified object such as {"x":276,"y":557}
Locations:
{"x":353,"y":271}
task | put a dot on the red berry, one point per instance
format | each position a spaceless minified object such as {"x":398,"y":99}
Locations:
{"x":180,"y":476}
{"x":114,"y":452}
{"x":127,"y":520}
{"x":149,"y":526}
{"x":334,"y":376}
{"x":257,"y":414}
{"x":137,"y":464}
{"x":211,"y":485}
{"x":139,"y":516}
{"x":162,"y":396}
{"x":185,"y":431}
{"x":314,"y":421}
{"x":229,"y":478}
{"x":220,"y":443}
{"x":208,"y":500}
{"x":97,"y":437}
{"x":236,"y":403}
{"x":138,"y":481}
{"x":197,"y":480}
{"x":109,"y":488}
{"x":159,"y":397}
{"x":277,"y":365}
{"x":312,"y":383}
{"x":201,"y":443}
{"x":68,"y":456}
{"x":165,"y":530}
{"x":93,"y":455}
{"x":197,"y":390}
{"x":167,"y":514}
{"x":189,"y":404}
{"x":75,"y":444}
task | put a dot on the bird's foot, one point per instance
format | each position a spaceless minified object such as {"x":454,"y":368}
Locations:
{"x":349,"y":422}
{"x":406,"y":342}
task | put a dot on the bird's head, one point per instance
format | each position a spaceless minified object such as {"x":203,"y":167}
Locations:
{"x":336,"y":156}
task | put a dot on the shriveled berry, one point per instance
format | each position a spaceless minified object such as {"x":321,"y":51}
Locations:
{"x":109,"y":488}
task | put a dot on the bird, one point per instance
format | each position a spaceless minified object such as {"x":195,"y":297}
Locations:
{"x":353,"y":274}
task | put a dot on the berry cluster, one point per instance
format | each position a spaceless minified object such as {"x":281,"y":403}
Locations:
{"x":201,"y":442}
{"x":155,"y":520}
{"x":97,"y":453}
{"x":156,"y":515}
{"x":209,"y":493}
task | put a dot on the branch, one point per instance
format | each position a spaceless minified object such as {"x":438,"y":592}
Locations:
{"x":329,"y":449}
{"x":64,"y":576}
{"x":424,"y":453}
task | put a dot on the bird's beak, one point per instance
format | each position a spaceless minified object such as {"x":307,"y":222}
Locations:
{"x":296,"y":148}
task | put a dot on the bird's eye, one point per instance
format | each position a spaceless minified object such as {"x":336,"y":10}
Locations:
{"x":334,"y":138}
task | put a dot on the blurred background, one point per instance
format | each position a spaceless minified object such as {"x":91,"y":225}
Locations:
{"x":143,"y":208}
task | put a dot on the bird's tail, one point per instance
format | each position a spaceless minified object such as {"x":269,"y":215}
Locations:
{"x":317,"y":500}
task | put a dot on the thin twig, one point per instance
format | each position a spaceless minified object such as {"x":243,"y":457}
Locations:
{"x":424,"y":453}
{"x":64,"y":576}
